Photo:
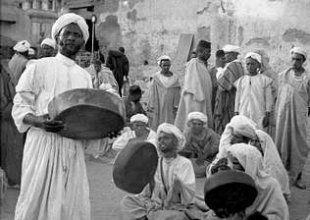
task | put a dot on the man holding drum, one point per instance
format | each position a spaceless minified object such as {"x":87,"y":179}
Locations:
{"x":54,"y":181}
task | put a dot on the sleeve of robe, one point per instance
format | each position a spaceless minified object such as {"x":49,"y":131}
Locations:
{"x":268,"y":95}
{"x":24,"y":100}
{"x":187,"y":178}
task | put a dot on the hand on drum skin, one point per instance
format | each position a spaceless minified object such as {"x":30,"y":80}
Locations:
{"x":53,"y":125}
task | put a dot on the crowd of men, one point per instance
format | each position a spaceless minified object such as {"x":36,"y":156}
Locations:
{"x":228,"y":117}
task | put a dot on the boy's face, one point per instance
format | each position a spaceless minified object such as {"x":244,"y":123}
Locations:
{"x":252,"y":66}
{"x":165,"y":65}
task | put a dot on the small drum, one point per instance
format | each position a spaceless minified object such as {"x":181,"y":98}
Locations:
{"x":135,"y":166}
{"x":88,"y":113}
{"x":230,"y":190}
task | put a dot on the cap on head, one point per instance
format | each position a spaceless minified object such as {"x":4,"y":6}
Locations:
{"x":22,"y":46}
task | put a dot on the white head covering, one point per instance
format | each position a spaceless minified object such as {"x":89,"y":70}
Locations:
{"x":139,"y":117}
{"x":197,"y":115}
{"x":69,"y":18}
{"x":171,"y":129}
{"x":22,"y":46}
{"x":163,"y":57}
{"x":299,"y":50}
{"x":49,"y":42}
{"x":254,"y":56}
{"x":231,"y":48}
{"x":31,"y":51}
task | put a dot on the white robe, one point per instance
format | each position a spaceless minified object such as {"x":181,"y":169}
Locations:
{"x":54,"y":180}
{"x":254,"y":97}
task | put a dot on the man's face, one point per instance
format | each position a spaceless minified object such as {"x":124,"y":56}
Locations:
{"x":165,"y":66}
{"x":204,"y":54}
{"x":297,"y":61}
{"x":70,"y":40}
{"x":97,"y":67}
{"x":252,"y":66}
{"x":47,"y":51}
{"x":220,"y":61}
{"x":167,"y":143}
{"x":196,"y":126}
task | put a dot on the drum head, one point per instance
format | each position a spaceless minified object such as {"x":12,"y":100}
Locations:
{"x":231,"y":190}
{"x":135,"y":166}
{"x":88,"y":113}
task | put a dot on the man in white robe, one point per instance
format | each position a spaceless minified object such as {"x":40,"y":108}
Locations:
{"x":293,"y":108}
{"x":196,"y":94}
{"x":54,"y":180}
{"x":174,"y":182}
{"x":253,"y":97}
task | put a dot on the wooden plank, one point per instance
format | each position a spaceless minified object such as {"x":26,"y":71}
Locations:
{"x":184,"y":47}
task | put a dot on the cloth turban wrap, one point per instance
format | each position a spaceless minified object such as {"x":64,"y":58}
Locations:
{"x":204,"y":44}
{"x":50,"y":42}
{"x":244,"y":126}
{"x":197,"y":115}
{"x":171,"y":129}
{"x":139,"y":117}
{"x":69,"y":18}
{"x":163,"y":57}
{"x":22,"y":46}
{"x":231,"y":48}
{"x":299,"y":50}
{"x":254,"y":56}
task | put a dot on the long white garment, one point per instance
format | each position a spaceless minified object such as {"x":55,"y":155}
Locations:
{"x":122,"y":140}
{"x":254,"y":97}
{"x":54,"y":181}
{"x":163,"y":195}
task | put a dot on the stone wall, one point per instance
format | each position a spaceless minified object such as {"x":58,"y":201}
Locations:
{"x":149,"y":28}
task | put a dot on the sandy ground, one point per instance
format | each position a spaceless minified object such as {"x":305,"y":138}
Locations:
{"x":105,"y":197}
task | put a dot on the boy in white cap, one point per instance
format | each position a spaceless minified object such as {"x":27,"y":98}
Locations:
{"x":253,"y":97}
{"x":226,"y":91}
{"x":164,"y":94}
{"x":292,"y":112}
{"x":173,"y":187}
{"x":48,"y":47}
{"x":18,"y":62}
{"x":54,"y":181}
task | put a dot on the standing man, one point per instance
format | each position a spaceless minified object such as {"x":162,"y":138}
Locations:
{"x":226,"y":91}
{"x":54,"y":181}
{"x":164,"y":94}
{"x":48,"y":47}
{"x":18,"y":62}
{"x":197,"y":91}
{"x":119,"y":64}
{"x":293,"y":108}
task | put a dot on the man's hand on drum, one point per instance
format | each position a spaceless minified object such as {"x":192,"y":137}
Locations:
{"x":44,"y":122}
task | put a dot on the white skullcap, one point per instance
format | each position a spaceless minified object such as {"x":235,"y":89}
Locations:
{"x":69,"y":18}
{"x":49,"y":42}
{"x":22,"y":46}
{"x":231,"y":48}
{"x":163,"y":57}
{"x":197,"y":115}
{"x":171,"y":129}
{"x":254,"y":56}
{"x":244,"y":126}
{"x":139,"y":117}
{"x":31,"y":51}
{"x":299,"y":50}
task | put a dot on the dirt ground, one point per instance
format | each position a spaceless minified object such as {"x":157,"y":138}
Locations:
{"x":105,"y":197}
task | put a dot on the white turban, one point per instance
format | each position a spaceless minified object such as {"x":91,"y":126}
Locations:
{"x":231,"y":48}
{"x":163,"y":57}
{"x":197,"y":115}
{"x":299,"y":50}
{"x":31,"y":51}
{"x":171,"y":129}
{"x":139,"y":117}
{"x":49,"y":42}
{"x":244,"y":126}
{"x":22,"y":46}
{"x":69,"y":18}
{"x":254,"y":56}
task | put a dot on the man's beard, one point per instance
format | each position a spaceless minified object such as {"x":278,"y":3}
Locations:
{"x":70,"y":52}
